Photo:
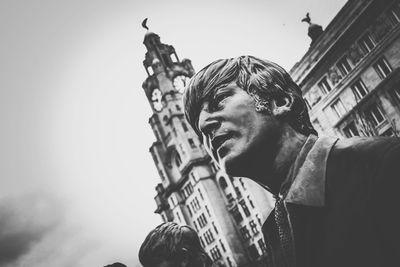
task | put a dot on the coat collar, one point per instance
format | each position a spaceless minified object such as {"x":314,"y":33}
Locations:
{"x":309,"y":172}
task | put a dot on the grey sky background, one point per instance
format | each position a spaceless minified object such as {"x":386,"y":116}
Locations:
{"x":76,"y":179}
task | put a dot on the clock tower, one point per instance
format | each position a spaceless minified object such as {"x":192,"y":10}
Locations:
{"x":167,"y":75}
{"x":193,"y":191}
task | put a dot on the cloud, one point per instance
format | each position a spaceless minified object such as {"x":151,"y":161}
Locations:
{"x":24,"y":221}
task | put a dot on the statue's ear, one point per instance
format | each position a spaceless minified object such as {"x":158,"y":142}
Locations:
{"x":282,"y":105}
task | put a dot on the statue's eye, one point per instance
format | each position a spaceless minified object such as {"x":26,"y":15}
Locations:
{"x":219,"y":99}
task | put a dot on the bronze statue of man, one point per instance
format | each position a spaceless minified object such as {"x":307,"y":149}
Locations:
{"x":173,"y":245}
{"x":336,"y":200}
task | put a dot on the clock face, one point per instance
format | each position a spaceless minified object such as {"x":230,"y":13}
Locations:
{"x":180,"y":82}
{"x":156,"y":99}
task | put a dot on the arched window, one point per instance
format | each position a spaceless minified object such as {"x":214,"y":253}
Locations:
{"x":178,"y":160}
{"x":222,"y":183}
{"x":149,"y":71}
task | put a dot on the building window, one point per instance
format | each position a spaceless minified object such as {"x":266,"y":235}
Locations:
{"x":251,"y":202}
{"x":383,"y":68}
{"x":201,"y":195}
{"x":208,"y":211}
{"x":191,"y":143}
{"x":209,"y":237}
{"x":195,"y":226}
{"x":182,"y":150}
{"x":244,"y":207}
{"x":344,"y":66}
{"x":187,"y":190}
{"x":350,"y":130}
{"x":178,"y":160}
{"x":202,"y":220}
{"x":190,"y":211}
{"x":201,"y":242}
{"x":253,"y":252}
{"x":150,"y":71}
{"x":394,"y":14}
{"x":178,"y":108}
{"x":366,"y":43}
{"x":155,"y":158}
{"x":194,"y":176}
{"x":215,"y":227}
{"x":254,"y":227}
{"x":324,"y":86}
{"x":230,"y":198}
{"x":229,"y":262}
{"x":215,"y":253}
{"x":178,"y":216}
{"x":214,"y":167}
{"x":242,"y":183}
{"x":157,"y":134}
{"x":396,"y":94}
{"x":184,"y":126}
{"x":245,"y":232}
{"x":172,"y":201}
{"x":307,"y":103}
{"x":173,"y":57}
{"x":162,"y":175}
{"x":359,"y":89}
{"x":222,"y":245}
{"x":222,"y":183}
{"x":237,"y":215}
{"x":262,"y":245}
{"x":259,"y":219}
{"x":388,"y":132}
{"x":195,"y":204}
{"x":339,"y":108}
{"x":375,"y":115}
{"x":238,"y":193}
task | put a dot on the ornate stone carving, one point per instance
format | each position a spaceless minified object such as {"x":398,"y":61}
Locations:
{"x":355,"y":53}
{"x":381,"y":27}
{"x":334,"y":75}
{"x":314,"y":96}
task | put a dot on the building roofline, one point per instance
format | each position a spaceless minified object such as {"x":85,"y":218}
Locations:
{"x":333,"y":33}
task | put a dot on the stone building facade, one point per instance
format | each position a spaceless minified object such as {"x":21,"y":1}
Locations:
{"x":227,"y":213}
{"x":350,"y":76}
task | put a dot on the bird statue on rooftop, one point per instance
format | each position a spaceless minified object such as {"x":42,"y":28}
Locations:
{"x":144,"y":24}
{"x":314,"y":30}
{"x":307,"y":18}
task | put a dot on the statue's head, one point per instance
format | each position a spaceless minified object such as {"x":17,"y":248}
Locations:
{"x":173,"y":245}
{"x":245,"y":100}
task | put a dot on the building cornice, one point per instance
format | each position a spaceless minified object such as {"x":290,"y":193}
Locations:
{"x":332,"y":35}
{"x":392,"y":80}
{"x":359,"y":68}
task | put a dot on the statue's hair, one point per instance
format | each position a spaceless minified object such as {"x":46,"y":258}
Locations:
{"x":262,"y":79}
{"x":169,"y":241}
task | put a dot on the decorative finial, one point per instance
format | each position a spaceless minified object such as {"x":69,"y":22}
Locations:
{"x":144,"y":22}
{"x":307,"y":18}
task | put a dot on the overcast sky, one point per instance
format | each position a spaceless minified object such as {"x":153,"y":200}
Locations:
{"x":76,"y":178}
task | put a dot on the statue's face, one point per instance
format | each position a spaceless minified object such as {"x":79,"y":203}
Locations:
{"x":233,"y":132}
